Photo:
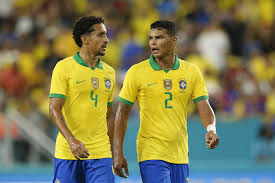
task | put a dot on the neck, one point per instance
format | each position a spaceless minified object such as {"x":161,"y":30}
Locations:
{"x":88,"y":57}
{"x":167,"y":62}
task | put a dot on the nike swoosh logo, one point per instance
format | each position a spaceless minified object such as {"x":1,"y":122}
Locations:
{"x":151,"y":84}
{"x":78,"y":82}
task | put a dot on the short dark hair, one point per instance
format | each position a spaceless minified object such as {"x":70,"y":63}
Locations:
{"x":83,"y":25}
{"x":165,"y":24}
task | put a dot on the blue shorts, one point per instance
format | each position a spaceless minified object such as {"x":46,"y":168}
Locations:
{"x":83,"y":171}
{"x":158,"y":171}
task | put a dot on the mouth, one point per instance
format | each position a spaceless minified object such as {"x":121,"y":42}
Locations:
{"x":104,"y":47}
{"x":155,"y":50}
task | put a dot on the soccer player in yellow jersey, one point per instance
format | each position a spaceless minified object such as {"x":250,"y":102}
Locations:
{"x":81,"y":99}
{"x":162,"y":86}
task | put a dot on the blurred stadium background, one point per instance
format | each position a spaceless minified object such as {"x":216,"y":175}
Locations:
{"x":231,"y":41}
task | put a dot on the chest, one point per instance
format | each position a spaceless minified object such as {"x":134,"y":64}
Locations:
{"x":159,"y":85}
{"x":86,"y":80}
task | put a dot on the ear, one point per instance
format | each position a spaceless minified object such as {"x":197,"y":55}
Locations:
{"x":175,"y":40}
{"x":84,"y":40}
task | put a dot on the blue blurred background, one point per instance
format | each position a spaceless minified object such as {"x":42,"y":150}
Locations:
{"x":232,"y":42}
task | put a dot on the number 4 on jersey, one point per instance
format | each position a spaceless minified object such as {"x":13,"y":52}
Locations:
{"x":94,"y":97}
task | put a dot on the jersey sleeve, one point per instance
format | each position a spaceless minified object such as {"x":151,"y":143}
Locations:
{"x":130,"y":87}
{"x":111,"y":96}
{"x":58,"y":82}
{"x":199,"y":91}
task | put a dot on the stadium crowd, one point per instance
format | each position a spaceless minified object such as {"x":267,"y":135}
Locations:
{"x":232,"y":42}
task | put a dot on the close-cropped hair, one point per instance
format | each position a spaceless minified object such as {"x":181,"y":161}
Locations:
{"x":83,"y":26}
{"x":169,"y":26}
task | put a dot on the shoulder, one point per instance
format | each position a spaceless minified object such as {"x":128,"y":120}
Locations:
{"x":107,"y":67}
{"x":185,"y":65}
{"x":139,"y":66}
{"x":63,"y":64}
{"x":63,"y":67}
{"x":109,"y":71}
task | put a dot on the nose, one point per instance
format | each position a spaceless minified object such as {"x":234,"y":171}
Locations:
{"x":153,"y":41}
{"x":106,"y":40}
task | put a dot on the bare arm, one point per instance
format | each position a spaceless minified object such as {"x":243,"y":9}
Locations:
{"x":206,"y":113}
{"x":208,"y":118}
{"x":78,"y":149}
{"x":110,"y":124}
{"x":121,"y":122}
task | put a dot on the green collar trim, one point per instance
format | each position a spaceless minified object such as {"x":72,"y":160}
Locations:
{"x":79,"y":60}
{"x":156,"y":66}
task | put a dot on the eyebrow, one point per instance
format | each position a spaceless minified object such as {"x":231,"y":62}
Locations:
{"x":155,"y":36}
{"x":102,"y":32}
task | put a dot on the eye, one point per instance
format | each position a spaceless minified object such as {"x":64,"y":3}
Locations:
{"x":101,"y":34}
{"x":159,"y":37}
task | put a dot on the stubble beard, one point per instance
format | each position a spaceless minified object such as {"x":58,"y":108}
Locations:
{"x":100,"y":54}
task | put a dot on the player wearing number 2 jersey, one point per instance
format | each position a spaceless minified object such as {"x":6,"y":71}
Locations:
{"x":162,"y":86}
{"x":81,"y":95}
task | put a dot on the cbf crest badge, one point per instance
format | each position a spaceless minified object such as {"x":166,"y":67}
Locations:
{"x":107,"y":83}
{"x":182,"y":84}
{"x":167,"y":83}
{"x":95,"y":83}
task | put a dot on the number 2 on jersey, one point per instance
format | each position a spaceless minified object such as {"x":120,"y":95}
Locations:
{"x":94,"y":97}
{"x":170,"y":98}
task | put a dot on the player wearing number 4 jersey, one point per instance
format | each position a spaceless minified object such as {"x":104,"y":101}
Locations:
{"x":162,"y":86}
{"x":81,"y":95}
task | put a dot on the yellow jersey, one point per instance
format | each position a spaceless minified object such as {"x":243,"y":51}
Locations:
{"x":162,"y":97}
{"x":87,"y":93}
